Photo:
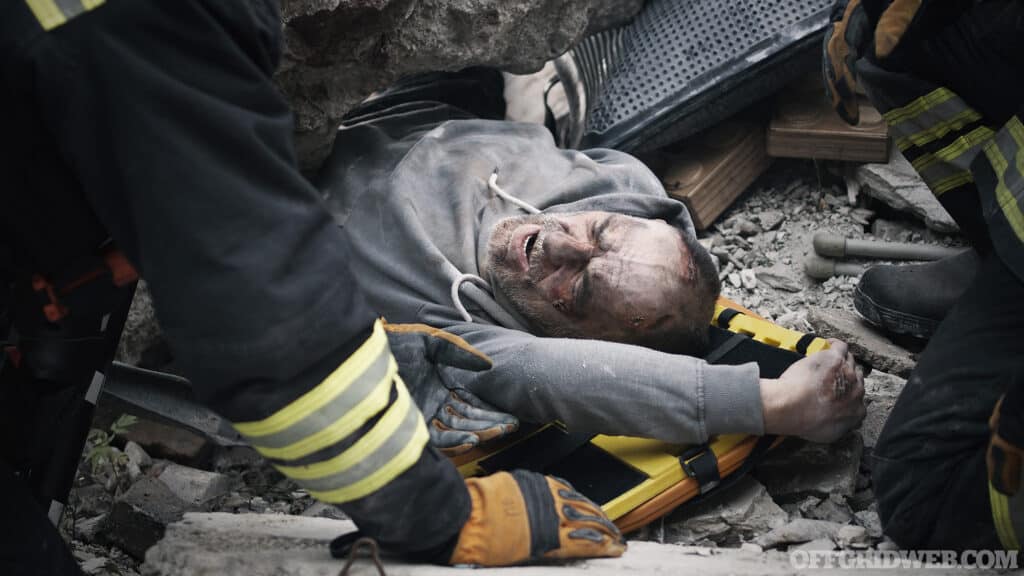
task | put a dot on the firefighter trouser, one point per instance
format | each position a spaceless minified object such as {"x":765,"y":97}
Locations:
{"x":954,"y":104}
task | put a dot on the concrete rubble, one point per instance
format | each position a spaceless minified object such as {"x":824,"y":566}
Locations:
{"x":338,"y":53}
{"x":258,"y":545}
{"x":866,"y":343}
{"x":898,"y":185}
{"x":798,"y":469}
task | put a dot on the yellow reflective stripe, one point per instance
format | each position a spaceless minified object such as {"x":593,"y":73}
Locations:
{"x":47,"y":12}
{"x":388,"y":472}
{"x":90,"y":4}
{"x":335,"y":384}
{"x":343,"y":426}
{"x":1016,"y":130}
{"x":916,"y":107}
{"x":1005,"y":198}
{"x":1001,"y":518}
{"x":955,"y":149}
{"x":938,"y":130}
{"x":954,"y":181}
{"x":364,"y":447}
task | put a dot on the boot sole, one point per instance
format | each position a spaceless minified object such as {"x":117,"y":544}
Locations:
{"x":891,"y":320}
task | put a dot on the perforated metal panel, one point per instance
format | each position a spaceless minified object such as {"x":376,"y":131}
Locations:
{"x":682,"y":65}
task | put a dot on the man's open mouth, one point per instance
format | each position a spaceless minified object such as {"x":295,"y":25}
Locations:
{"x":522,"y":245}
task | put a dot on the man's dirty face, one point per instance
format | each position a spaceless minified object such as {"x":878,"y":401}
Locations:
{"x":606,"y":276}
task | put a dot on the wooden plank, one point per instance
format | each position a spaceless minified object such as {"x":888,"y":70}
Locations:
{"x":804,"y":125}
{"x":712,"y":169}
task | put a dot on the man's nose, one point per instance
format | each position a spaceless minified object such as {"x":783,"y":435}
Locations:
{"x":564,"y":250}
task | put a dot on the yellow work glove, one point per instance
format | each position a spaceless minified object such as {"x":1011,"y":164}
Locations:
{"x":871,"y":27}
{"x":522,"y":517}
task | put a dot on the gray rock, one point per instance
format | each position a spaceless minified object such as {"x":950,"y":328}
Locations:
{"x":141,"y":329}
{"x":337,"y":53}
{"x":871,"y":522}
{"x":264,"y":545}
{"x":887,"y":544}
{"x":746,"y":227}
{"x":833,"y":509}
{"x":770,"y":219}
{"x":727,"y":518}
{"x":91,"y":500}
{"x":868,"y":345}
{"x":851,"y":536}
{"x":94,"y":565}
{"x":735,"y":279}
{"x":139,"y":517}
{"x":899,"y":186}
{"x":799,"y":531}
{"x":779,"y":281}
{"x":137,"y":455}
{"x":194,"y":487}
{"x":890,"y":231}
{"x":89,"y":529}
{"x":799,"y":468}
{"x":861,"y":500}
{"x":749,"y":279}
{"x":324,"y":510}
{"x":880,"y":393}
{"x":816,"y":545}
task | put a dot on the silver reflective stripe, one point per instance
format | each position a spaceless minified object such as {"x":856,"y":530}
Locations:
{"x":329,"y":413}
{"x":93,"y":393}
{"x":360,"y":469}
{"x":70,"y":8}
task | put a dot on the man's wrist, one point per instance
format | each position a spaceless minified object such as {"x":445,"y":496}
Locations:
{"x":773,"y":404}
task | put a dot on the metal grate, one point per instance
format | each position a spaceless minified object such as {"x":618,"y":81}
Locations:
{"x":679,"y":54}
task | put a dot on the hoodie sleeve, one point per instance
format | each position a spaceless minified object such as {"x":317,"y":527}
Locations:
{"x":612,"y":388}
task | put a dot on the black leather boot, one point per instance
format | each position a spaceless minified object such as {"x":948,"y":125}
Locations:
{"x":914,"y":298}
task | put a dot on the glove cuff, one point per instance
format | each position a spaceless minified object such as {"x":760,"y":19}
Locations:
{"x":498,"y":530}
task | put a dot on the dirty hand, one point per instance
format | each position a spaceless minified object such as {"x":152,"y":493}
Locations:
{"x":862,"y":28}
{"x":458,"y":420}
{"x":820,"y":398}
{"x":523,"y":516}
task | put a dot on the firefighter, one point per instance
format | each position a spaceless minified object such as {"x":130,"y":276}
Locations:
{"x":157,"y":124}
{"x":948,"y":76}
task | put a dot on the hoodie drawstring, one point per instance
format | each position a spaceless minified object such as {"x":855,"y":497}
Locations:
{"x":492,"y":185}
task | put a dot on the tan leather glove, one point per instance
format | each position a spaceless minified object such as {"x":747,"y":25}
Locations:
{"x":861,"y":28}
{"x":522,"y":516}
{"x":1004,"y":457}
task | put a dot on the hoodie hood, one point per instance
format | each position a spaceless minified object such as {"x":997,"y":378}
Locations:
{"x":423,"y":217}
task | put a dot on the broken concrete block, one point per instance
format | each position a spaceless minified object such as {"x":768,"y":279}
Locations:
{"x":897,"y":184}
{"x":868,"y":345}
{"x":713,"y":168}
{"x":139,"y":517}
{"x":799,"y":468}
{"x":161,"y":440}
{"x":805,"y":126}
{"x":727,"y":518}
{"x":192,"y":486}
{"x":799,"y":531}
{"x":264,"y":545}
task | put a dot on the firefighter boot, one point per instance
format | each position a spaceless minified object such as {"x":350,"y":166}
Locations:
{"x":914,"y":298}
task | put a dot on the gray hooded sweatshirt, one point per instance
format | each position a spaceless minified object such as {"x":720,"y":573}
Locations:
{"x":413,"y":197}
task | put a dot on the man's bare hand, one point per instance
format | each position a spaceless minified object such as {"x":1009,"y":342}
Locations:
{"x":820,"y":398}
